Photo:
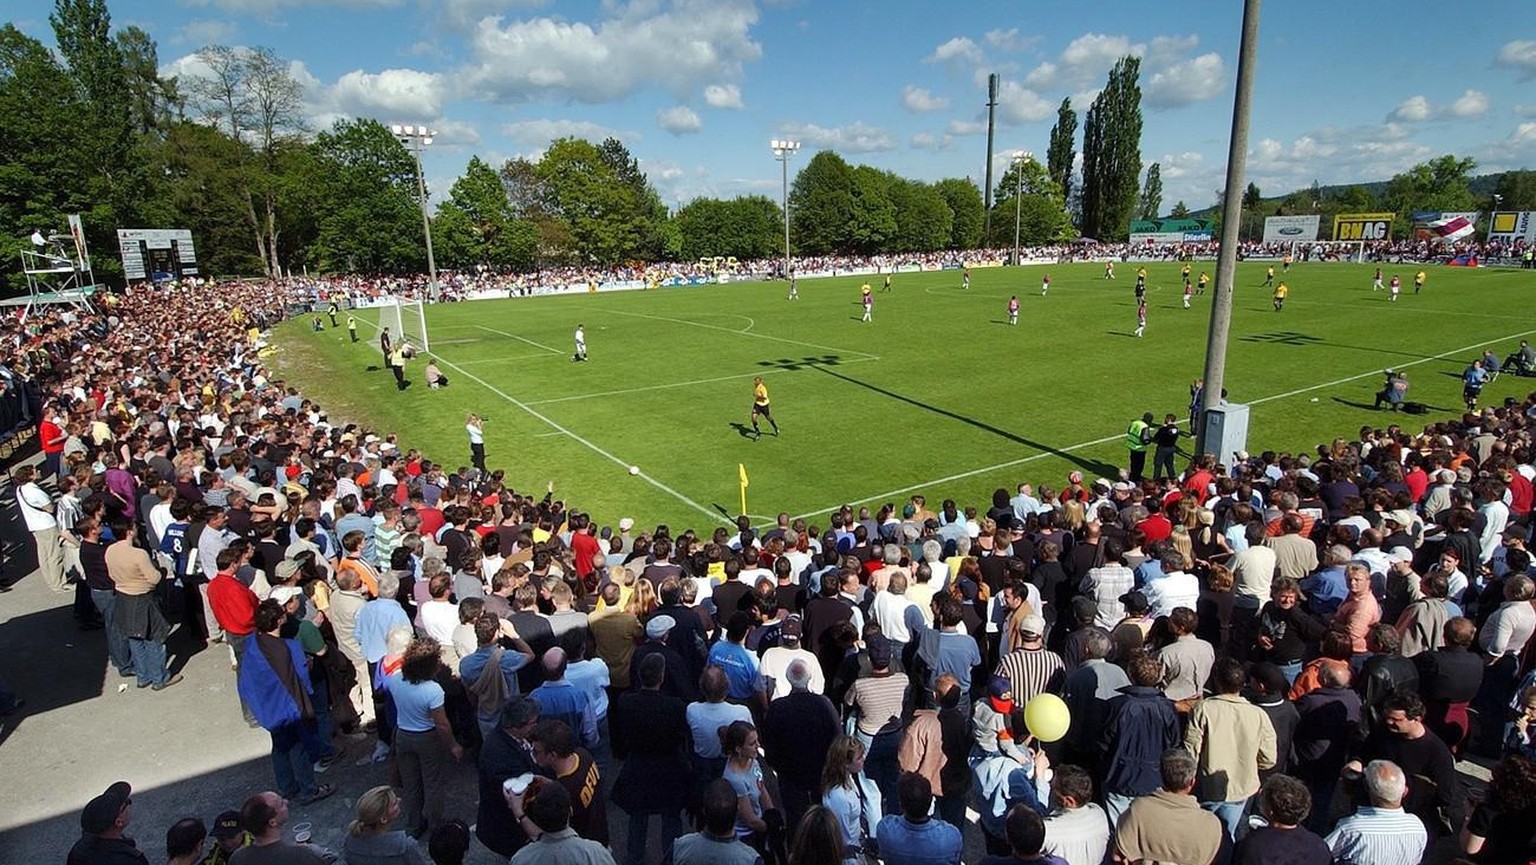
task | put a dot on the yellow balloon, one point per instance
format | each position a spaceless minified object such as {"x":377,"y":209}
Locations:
{"x":1047,"y":717}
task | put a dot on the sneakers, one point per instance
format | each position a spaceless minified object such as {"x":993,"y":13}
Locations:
{"x":327,"y":761}
{"x":379,"y":755}
{"x":161,"y":686}
{"x":321,"y":792}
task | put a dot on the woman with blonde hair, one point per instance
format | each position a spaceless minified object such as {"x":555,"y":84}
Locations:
{"x":986,"y":539}
{"x":1074,"y":516}
{"x":370,"y":841}
{"x":818,"y":839}
{"x":850,"y":797}
{"x":642,"y":599}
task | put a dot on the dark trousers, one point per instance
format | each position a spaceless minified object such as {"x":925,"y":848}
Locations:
{"x":477,"y":456}
{"x":796,"y":798}
{"x":1138,"y":464}
{"x":1162,"y":461}
{"x":399,"y":372}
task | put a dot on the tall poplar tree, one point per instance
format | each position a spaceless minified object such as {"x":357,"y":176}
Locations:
{"x":1151,"y":194}
{"x":1059,"y":155}
{"x":1112,"y":154}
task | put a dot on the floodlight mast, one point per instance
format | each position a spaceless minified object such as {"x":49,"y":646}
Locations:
{"x":782,"y":150}
{"x":1019,"y":158}
{"x":415,"y":138}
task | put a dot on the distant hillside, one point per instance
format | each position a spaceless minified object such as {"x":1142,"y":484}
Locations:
{"x":1481,"y":185}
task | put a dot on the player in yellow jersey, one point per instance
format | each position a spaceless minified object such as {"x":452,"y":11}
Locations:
{"x":1282,"y":291}
{"x":760,"y":407}
{"x":1418,"y":281}
{"x":1205,"y":280}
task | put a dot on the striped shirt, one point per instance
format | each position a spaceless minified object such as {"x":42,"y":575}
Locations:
{"x":1105,"y":584}
{"x":878,"y":699}
{"x":1378,"y":836}
{"x":1032,"y":672}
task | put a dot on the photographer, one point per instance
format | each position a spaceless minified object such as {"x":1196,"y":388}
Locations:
{"x":1393,"y":390}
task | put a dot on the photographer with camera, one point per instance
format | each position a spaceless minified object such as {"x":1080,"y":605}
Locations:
{"x":1393,"y":390}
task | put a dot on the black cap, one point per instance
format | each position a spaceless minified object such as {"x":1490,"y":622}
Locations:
{"x":879,"y":652}
{"x":227,"y":826}
{"x":1135,"y":602}
{"x":101,"y":812}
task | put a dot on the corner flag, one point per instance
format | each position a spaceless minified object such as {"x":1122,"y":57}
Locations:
{"x":742,"y":469}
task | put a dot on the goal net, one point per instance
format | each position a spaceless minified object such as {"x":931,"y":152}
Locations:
{"x":407,"y":321}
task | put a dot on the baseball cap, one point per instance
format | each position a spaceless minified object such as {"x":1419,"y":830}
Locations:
{"x":1134,"y":602}
{"x":100,"y":813}
{"x":284,"y":594}
{"x":227,"y":825}
{"x":1032,"y":626}
{"x":1122,"y":487}
{"x":997,"y":686}
{"x":626,"y":524}
{"x":285,"y":570}
{"x":791,"y":628}
{"x":1401,"y":516}
{"x":659,"y":627}
{"x":1399,"y":554}
{"x":879,"y":652}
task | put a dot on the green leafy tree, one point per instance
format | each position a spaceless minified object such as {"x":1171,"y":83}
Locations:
{"x":1252,"y":197}
{"x":194,"y":181}
{"x":968,"y":211}
{"x":476,"y":224}
{"x":1439,"y":184}
{"x":749,"y":227}
{"x":153,"y":101}
{"x":369,"y":219}
{"x":1041,"y":210}
{"x":874,"y":214}
{"x":1180,"y":210}
{"x":822,"y":204}
{"x":610,"y":217}
{"x":924,"y":222}
{"x":1112,"y":154}
{"x":1151,"y":201}
{"x":1516,"y":190}
{"x":1060,"y":154}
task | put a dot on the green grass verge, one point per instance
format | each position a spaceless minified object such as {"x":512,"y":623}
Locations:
{"x":937,"y":395}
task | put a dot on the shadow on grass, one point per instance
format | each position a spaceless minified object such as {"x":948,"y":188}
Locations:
{"x":1095,"y":466}
{"x":743,"y":430}
{"x":1125,"y":333}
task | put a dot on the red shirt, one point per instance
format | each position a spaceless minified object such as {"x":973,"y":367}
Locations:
{"x":1417,"y":482}
{"x":1520,"y":494}
{"x":431,"y":521}
{"x":584,"y":547}
{"x":47,"y":432}
{"x":233,"y":603}
{"x":1199,"y":485}
{"x":1156,"y":528}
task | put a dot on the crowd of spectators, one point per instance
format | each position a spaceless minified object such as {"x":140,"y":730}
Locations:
{"x":1277,"y":664}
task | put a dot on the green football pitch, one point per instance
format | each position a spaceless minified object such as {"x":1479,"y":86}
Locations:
{"x":937,"y":395}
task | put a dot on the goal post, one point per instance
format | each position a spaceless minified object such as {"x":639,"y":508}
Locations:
{"x":407,"y":321}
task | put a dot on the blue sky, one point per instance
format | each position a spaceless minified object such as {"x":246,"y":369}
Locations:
{"x":697,"y":88}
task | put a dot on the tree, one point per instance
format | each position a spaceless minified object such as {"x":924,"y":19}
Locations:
{"x":1516,"y":190}
{"x":611,"y":214}
{"x":476,"y":224}
{"x":750,"y":227}
{"x":368,"y":217}
{"x":1060,"y":154}
{"x":967,"y":212}
{"x":1112,"y":154}
{"x":1250,"y":203}
{"x":1041,"y":211}
{"x":1180,"y":211}
{"x":153,"y":101}
{"x":873,"y":226}
{"x":1151,"y":201}
{"x":1437,"y":185}
{"x":821,"y":205}
{"x":924,"y":222}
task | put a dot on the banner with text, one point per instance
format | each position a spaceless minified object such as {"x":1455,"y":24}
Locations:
{"x":1363,"y":226}
{"x":1285,"y":229}
{"x":1171,"y":231}
{"x":1511,"y":226}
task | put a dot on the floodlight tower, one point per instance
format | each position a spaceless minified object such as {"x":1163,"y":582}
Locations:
{"x":782,"y":150}
{"x":1019,"y":158}
{"x":415,"y":138}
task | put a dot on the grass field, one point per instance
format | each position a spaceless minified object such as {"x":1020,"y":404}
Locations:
{"x":937,"y":395}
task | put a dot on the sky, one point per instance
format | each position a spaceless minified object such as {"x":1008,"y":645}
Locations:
{"x":697,"y":88}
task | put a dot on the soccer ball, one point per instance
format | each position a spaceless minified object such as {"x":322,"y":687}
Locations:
{"x":634,"y":470}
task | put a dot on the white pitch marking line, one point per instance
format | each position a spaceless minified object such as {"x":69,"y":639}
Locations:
{"x":557,"y":427}
{"x":581,"y":396}
{"x":744,"y":333}
{"x":543,"y":355}
{"x":520,"y":339}
{"x":547,"y":435}
{"x":1107,"y":439}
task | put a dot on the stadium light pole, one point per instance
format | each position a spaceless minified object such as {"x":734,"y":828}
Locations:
{"x":1231,"y":216}
{"x":1019,"y":158}
{"x":782,"y":150}
{"x":415,"y":138}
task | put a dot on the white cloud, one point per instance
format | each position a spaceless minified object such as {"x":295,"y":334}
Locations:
{"x":675,"y":44}
{"x":1177,"y":166}
{"x":465,"y":14}
{"x":932,"y":141}
{"x":723,"y":96}
{"x":1010,"y":40}
{"x":1194,"y":80}
{"x":1414,"y":109}
{"x":857,"y":137}
{"x":1018,"y":104}
{"x":204,"y":32}
{"x":1524,"y":110}
{"x":679,"y":120}
{"x":1167,"y":50}
{"x":966,"y":127}
{"x":1473,"y":103}
{"x":1521,"y":55}
{"x":1417,"y":108}
{"x":1083,"y":62}
{"x":957,"y":49}
{"x":1525,"y":133}
{"x":539,"y":133}
{"x":405,"y":94}
{"x":917,"y":100}
{"x":456,"y":133}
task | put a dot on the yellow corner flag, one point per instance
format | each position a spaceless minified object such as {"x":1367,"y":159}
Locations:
{"x":742,"y":469}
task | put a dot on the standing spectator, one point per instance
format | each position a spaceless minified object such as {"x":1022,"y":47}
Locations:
{"x":777,"y":659}
{"x":548,"y":811}
{"x":1449,"y":678}
{"x":1328,"y":725}
{"x":1359,"y":611}
{"x":136,"y":616}
{"x":1167,"y":824}
{"x":1108,"y":583}
{"x":562,"y":700}
{"x":851,"y":797}
{"x":1405,"y":741}
{"x":796,"y":733}
{"x":369,"y":838}
{"x":1284,"y":803}
{"x":1142,"y":725}
{"x":1077,"y":829}
{"x":1089,"y":691}
{"x":234,"y":609}
{"x":911,"y":836}
{"x":715,"y":843}
{"x":1266,"y":688}
{"x":948,"y":649}
{"x":103,"y":822}
{"x":1030,"y":666}
{"x":1232,"y":741}
{"x":754,"y":807}
{"x":1503,"y":638}
{"x":1187,"y":661}
{"x":1499,"y":829}
{"x":650,"y":732}
{"x":39,"y":512}
{"x":1380,"y":833}
{"x":264,"y":816}
{"x":506,"y":753}
{"x":1284,"y":630}
{"x":554,"y":750}
{"x":1384,"y":672}
{"x":274,"y":683}
{"x":424,"y":740}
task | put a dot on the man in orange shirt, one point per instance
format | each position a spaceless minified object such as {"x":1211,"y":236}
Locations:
{"x":352,"y":545}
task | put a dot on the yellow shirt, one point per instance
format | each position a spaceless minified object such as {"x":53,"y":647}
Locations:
{"x":1281,"y":291}
{"x":864,"y":289}
{"x":1418,"y":278}
{"x":760,"y":393}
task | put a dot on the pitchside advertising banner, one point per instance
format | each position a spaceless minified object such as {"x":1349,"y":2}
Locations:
{"x":1171,"y":231}
{"x":1363,"y":226}
{"x":1509,"y":226}
{"x":1447,"y":226}
{"x":1285,"y":229}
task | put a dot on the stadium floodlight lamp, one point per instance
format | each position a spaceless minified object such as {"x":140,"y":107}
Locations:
{"x":416,"y":137}
{"x":1019,"y":158}
{"x":783,"y":148}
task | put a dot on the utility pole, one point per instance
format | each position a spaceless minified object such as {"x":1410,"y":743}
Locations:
{"x":986,"y":230}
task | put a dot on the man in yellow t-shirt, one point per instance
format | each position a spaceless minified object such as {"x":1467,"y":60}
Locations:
{"x":760,"y":407}
{"x":1281,"y":292}
{"x":1418,"y":281}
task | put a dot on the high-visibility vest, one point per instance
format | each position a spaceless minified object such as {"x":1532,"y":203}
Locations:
{"x":1135,"y":436}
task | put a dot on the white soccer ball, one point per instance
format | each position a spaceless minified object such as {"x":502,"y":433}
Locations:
{"x":634,"y":470}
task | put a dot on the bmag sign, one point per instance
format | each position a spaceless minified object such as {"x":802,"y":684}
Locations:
{"x":1363,"y":226}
